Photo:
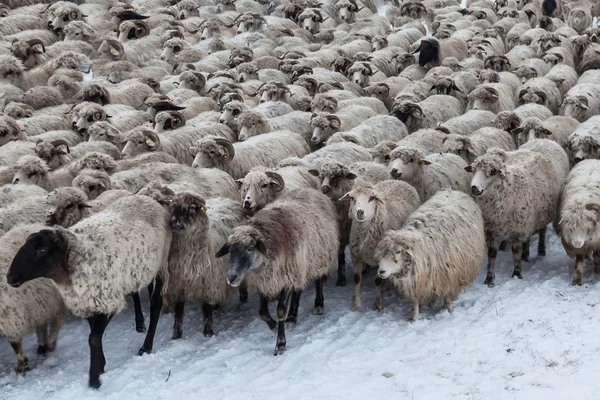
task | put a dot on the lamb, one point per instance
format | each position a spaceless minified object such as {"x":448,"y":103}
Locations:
{"x":438,"y":251}
{"x":136,"y":241}
{"x":468,"y":123}
{"x":577,"y":215}
{"x":514,"y":205}
{"x":35,"y":305}
{"x":324,"y":125}
{"x":428,"y":113}
{"x":469,"y":147}
{"x":432,"y":52}
{"x":428,"y":173}
{"x":286,"y":245}
{"x":584,"y":142}
{"x":581,"y":102}
{"x":372,"y":131}
{"x":375,"y":209}
{"x":263,"y":150}
{"x":494,"y":97}
{"x":557,"y":128}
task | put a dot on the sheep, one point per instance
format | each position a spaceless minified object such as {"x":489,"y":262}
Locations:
{"x":381,"y":152}
{"x":91,"y":182}
{"x":469,"y":147}
{"x":28,"y":211}
{"x":515,"y":205}
{"x":584,"y":142}
{"x":509,"y":120}
{"x":494,"y":97}
{"x":251,"y":123}
{"x":35,"y":305}
{"x":468,"y":123}
{"x":428,"y":113}
{"x":325,"y":125}
{"x":56,"y":155}
{"x":15,"y":193}
{"x":542,"y":91}
{"x":375,"y":209}
{"x":432,"y":52}
{"x":581,"y":102}
{"x":438,"y":251}
{"x":557,"y":128}
{"x":91,"y":287}
{"x":372,"y":131}
{"x":286,"y":245}
{"x":123,"y":121}
{"x":132,"y":94}
{"x":428,"y":173}
{"x":564,"y":76}
{"x":270,"y":109}
{"x":11,"y":152}
{"x":267,"y":150}
{"x":577,"y":216}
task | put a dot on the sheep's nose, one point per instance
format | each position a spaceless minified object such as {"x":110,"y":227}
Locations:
{"x":50,"y":24}
{"x":221,"y":121}
{"x":74,"y":124}
{"x":239,"y":32}
{"x":343,"y":17}
{"x":357,"y":81}
{"x":360,"y":213}
{"x":394,"y":173}
{"x":194,"y":165}
{"x":475,"y":190}
{"x":15,"y":181}
{"x":325,"y":189}
{"x":247,"y":205}
{"x":203,"y":38}
{"x":162,"y":58}
{"x":262,"y":101}
{"x":314,"y":140}
{"x":232,"y":277}
{"x":182,"y":16}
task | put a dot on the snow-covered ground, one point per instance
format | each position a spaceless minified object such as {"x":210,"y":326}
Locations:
{"x":535,"y":338}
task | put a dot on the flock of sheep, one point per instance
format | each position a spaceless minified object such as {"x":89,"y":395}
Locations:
{"x":197,"y":146}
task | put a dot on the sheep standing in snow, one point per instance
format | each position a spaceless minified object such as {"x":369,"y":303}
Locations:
{"x":438,"y":251}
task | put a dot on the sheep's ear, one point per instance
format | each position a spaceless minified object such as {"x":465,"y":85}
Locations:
{"x":314,"y":172}
{"x":424,"y":162}
{"x":469,"y":168}
{"x":223,"y":251}
{"x":239,"y":182}
{"x":350,"y":176}
{"x":85,"y":205}
{"x":545,"y":132}
{"x":345,"y":197}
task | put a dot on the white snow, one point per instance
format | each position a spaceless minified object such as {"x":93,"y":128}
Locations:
{"x":535,"y":338}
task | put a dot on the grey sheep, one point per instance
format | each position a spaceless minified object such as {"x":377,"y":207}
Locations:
{"x":494,"y":97}
{"x":325,"y":125}
{"x":469,"y":147}
{"x":428,"y":113}
{"x":372,"y":131}
{"x":468,"y":123}
{"x":584,"y":142}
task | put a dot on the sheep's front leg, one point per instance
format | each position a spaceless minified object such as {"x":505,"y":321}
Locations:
{"x":597,"y":262}
{"x":359,"y":267}
{"x":319,"y":299}
{"x":282,"y":308}
{"x":292,"y":317}
{"x":207,"y":312}
{"x":525,"y":251}
{"x":448,"y":304}
{"x":140,"y":324}
{"x":22,"y":360}
{"x":341,"y":279}
{"x":491,"y":275}
{"x":377,"y":304}
{"x":542,"y":242}
{"x":517,"y":258}
{"x":264,"y":313}
{"x":42,"y":338}
{"x":98,"y":325}
{"x":414,"y":315}
{"x":579,"y":265}
{"x":155,"y":308}
{"x":178,"y":320}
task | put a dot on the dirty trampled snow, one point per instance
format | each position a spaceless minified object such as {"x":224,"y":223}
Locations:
{"x":529,"y":339}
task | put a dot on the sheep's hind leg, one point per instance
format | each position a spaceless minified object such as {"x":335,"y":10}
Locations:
{"x":292,"y":317}
{"x":140,"y":324}
{"x":42,"y":338}
{"x":542,"y":242}
{"x":517,"y":258}
{"x":377,"y":305}
{"x":98,"y":325}
{"x":525,"y":251}
{"x":22,"y":360}
{"x":282,"y":308}
{"x":263,"y":311}
{"x":359,"y":267}
{"x":414,"y":315}
{"x":155,"y":308}
{"x":53,"y":329}
{"x":490,"y":276}
{"x":319,"y":298}
{"x":579,"y":265}
{"x":178,"y":320}
{"x":341,"y":279}
{"x":207,"y":312}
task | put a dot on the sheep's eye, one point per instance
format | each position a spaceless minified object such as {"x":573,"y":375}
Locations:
{"x":90,"y":119}
{"x":250,"y":249}
{"x":101,"y":135}
{"x":387,"y":157}
{"x":66,"y":18}
{"x":30,"y":175}
{"x":458,"y":151}
{"x":372,"y":198}
{"x":493,"y":172}
{"x":140,"y":142}
{"x":211,"y":152}
{"x":412,"y":160}
{"x":69,"y":206}
{"x":264,"y":186}
{"x":92,"y":188}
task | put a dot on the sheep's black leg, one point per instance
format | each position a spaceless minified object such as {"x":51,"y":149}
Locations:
{"x":517,"y":258}
{"x":264,"y":313}
{"x":282,"y":308}
{"x":377,"y":304}
{"x":155,"y":308}
{"x":341,"y":279}
{"x":319,"y":299}
{"x":243,"y":290}
{"x":207,"y":312}
{"x":22,"y":360}
{"x":97,"y":324}
{"x":542,"y":242}
{"x":579,"y":266}
{"x":525,"y":251}
{"x":292,"y":317}
{"x":140,"y":325}
{"x":178,"y":321}
{"x":490,"y":277}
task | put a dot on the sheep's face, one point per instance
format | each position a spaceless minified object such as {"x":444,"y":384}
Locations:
{"x":9,"y":130}
{"x":378,"y":43}
{"x":409,"y":113}
{"x":497,"y":63}
{"x":324,"y":104}
{"x":335,"y":179}
{"x":394,"y":264}
{"x":139,"y":141}
{"x":379,"y":91}
{"x":507,"y":121}
{"x":324,"y":125}
{"x":246,"y":251}
{"x":273,"y":92}
{"x":187,"y":9}
{"x":584,"y":147}
{"x":488,"y":169}
{"x":345,"y":13}
{"x":18,"y":110}
{"x":526,"y":97}
{"x":259,"y":189}
{"x":131,"y":30}
{"x":28,"y":52}
{"x":553,"y":58}
{"x":168,"y":120}
{"x":580,"y":225}
{"x":55,"y":155}
{"x":251,"y":124}
{"x":66,"y":207}
{"x":211,"y":29}
{"x":246,"y":72}
{"x":364,"y":203}
{"x":593,"y":35}
{"x":30,"y":170}
{"x":89,"y":116}
{"x":66,"y":14}
{"x":78,"y":30}
{"x":104,"y":132}
{"x":211,"y":152}
{"x":548,"y":41}
{"x":405,"y":60}
{"x":381,"y":152}
{"x":459,"y":145}
{"x":187,"y":210}
{"x":575,"y":107}
{"x":483,"y":98}
{"x":360,"y":74}
{"x":525,"y":73}
{"x":310,"y":20}
{"x":172,"y":49}
{"x":192,"y":80}
{"x":405,"y":163}
{"x":231,"y":111}
{"x":249,"y":23}
{"x":489,"y":76}
{"x":96,"y":161}
{"x":42,"y":256}
{"x":92,"y":185}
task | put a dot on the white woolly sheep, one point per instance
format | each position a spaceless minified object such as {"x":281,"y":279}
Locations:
{"x":581,"y":102}
{"x":468,"y":123}
{"x":469,"y":147}
{"x":325,"y":125}
{"x":557,"y":128}
{"x":372,"y":131}
{"x":584,"y":142}
{"x":509,"y":120}
{"x":494,"y":97}
{"x":541,"y":91}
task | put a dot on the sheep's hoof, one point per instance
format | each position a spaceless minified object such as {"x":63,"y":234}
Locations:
{"x":318,"y":311}
{"x":22,"y":367}
{"x":279,"y":349}
{"x":518,"y":274}
{"x":377,"y":306}
{"x":341,"y":281}
{"x":141,"y":328}
{"x":542,"y":253}
{"x":43,"y":350}
{"x":208,"y":333}
{"x":577,"y":281}
{"x":489,"y":281}
{"x":95,"y":383}
{"x":144,"y":350}
{"x":355,"y":304}
{"x":176,"y":336}
{"x":412,"y":318}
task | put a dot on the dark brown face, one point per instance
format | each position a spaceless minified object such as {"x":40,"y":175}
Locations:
{"x":43,"y":255}
{"x":186,"y":209}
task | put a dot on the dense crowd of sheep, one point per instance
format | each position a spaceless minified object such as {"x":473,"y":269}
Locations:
{"x":196,"y":146}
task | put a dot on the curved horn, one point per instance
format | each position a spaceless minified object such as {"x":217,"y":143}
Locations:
{"x":127,"y":15}
{"x":278,"y":179}
{"x":177,"y":116}
{"x":154,"y":137}
{"x":142,"y":29}
{"x":61,"y":142}
{"x":34,"y":42}
{"x":335,"y":117}
{"x":227,"y":158}
{"x":233,"y":23}
{"x":166,"y":106}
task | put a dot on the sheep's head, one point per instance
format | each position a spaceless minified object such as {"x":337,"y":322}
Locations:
{"x":483,"y":98}
{"x":323,"y":126}
{"x":172,"y":48}
{"x":381,"y":152}
{"x":580,"y":45}
{"x":9,"y":130}
{"x":531,"y":128}
{"x":273,"y":91}
{"x":111,"y":49}
{"x":593,"y":34}
{"x":364,"y":202}
{"x":298,"y":71}
{"x":66,"y":207}
{"x":360,"y":73}
{"x":380,"y":90}
{"x":459,"y":145}
{"x":140,"y":140}
{"x":187,"y":9}
{"x":30,"y":170}
{"x":231,"y":111}
{"x":240,"y":55}
{"x":168,"y":120}
{"x":246,"y":72}
{"x":406,"y":110}
{"x":487,"y":170}
{"x":576,"y":107}
{"x":548,"y":41}
{"x":187,"y":210}
{"x":341,"y":65}
{"x":497,"y":63}
{"x":247,"y":251}
{"x":553,"y":57}
{"x":584,"y":147}
{"x":310,"y":19}
{"x":404,"y":60}
{"x":131,"y":30}
{"x":346,"y":10}
{"x":96,"y":94}
{"x":405,"y":162}
{"x":102,"y":131}
{"x":64,"y":14}
{"x":335,"y":179}
{"x":259,"y":188}
{"x":529,"y":96}
{"x":18,"y":110}
{"x":90,"y":114}
{"x":210,"y":28}
{"x":394,"y":252}
{"x":479,"y":51}
{"x":30,"y":52}
{"x":507,"y":121}
{"x":413,"y":10}
{"x":525,"y":73}
{"x":11,"y":70}
{"x":251,"y":123}
{"x":445,"y":85}
{"x":379,"y":42}
{"x":429,"y":51}
{"x":228,"y":98}
{"x":324,"y":104}
{"x":248,"y":22}
{"x":192,"y":80}
{"x":79,"y":30}
{"x":157,"y":102}
{"x":212,"y":151}
{"x":97,"y":161}
{"x":489,"y":76}
{"x":55,"y":153}
{"x":578,"y":224}
{"x":92,"y":182}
